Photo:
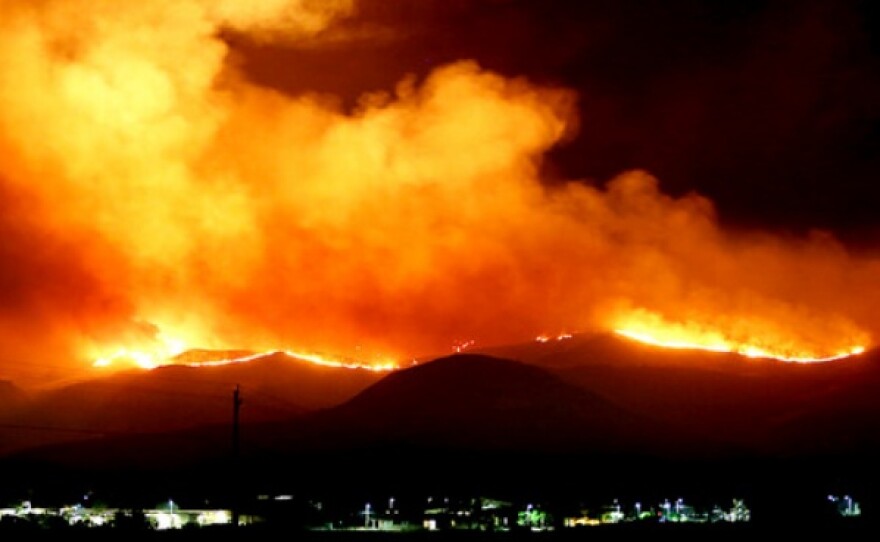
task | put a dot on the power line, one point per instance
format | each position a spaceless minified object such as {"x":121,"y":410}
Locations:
{"x":236,"y":407}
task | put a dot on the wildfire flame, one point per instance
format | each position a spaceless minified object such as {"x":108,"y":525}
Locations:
{"x":151,"y":359}
{"x":651,"y":329}
{"x":316,"y":359}
{"x":546,"y":338}
{"x":160,"y":354}
{"x":149,"y":176}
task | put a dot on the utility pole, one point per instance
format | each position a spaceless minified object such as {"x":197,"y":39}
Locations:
{"x":236,"y":474}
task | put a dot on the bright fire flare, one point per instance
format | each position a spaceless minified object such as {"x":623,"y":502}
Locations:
{"x":677,"y":337}
{"x":560,"y":337}
{"x":316,"y":359}
{"x":161,"y":354}
{"x":164,"y":354}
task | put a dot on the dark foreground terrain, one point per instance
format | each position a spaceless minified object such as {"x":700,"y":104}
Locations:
{"x":844,"y":530}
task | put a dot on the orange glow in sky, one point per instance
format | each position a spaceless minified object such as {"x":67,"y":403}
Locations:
{"x":157,"y":197}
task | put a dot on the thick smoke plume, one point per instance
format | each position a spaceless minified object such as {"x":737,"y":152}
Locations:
{"x":151,"y":193}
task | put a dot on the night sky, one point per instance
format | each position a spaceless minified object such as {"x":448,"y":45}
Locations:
{"x":770,"y":109}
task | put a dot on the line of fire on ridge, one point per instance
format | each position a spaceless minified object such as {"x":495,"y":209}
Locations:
{"x":726,"y":347}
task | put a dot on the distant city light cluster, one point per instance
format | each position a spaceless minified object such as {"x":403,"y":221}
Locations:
{"x":845,"y":505}
{"x":167,"y":515}
{"x":393,"y":514}
{"x":666,"y":511}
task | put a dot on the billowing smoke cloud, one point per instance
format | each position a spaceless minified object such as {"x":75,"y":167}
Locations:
{"x":152,"y":192}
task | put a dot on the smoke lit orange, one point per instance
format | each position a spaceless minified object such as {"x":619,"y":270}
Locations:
{"x":151,"y":184}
